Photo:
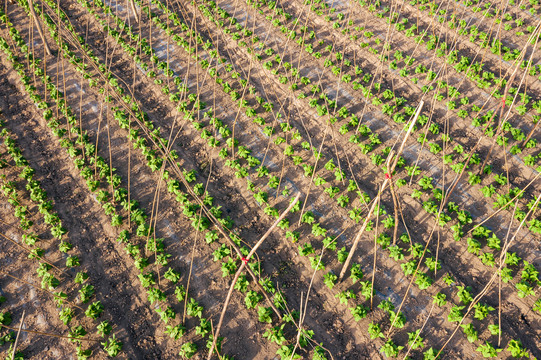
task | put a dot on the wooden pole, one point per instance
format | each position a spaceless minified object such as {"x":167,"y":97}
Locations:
{"x":134,"y":9}
{"x":383,"y":186}
{"x":38,"y":25}
{"x":17,"y":338}
{"x":239,"y":271}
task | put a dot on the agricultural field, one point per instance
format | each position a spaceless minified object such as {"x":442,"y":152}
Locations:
{"x":259,"y":179}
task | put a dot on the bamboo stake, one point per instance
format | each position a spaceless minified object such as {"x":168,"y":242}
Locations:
{"x":383,"y":186}
{"x":38,"y":25}
{"x":241,"y":268}
{"x":175,"y":166}
{"x":18,"y":333}
{"x":49,"y":334}
{"x":134,"y":9}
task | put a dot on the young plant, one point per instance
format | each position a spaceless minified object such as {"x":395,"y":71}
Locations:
{"x":386,"y":305}
{"x":287,"y":352}
{"x":494,"y":329}
{"x":66,"y":315}
{"x":440,"y":299}
{"x":330,"y":280}
{"x":415,"y":341}
{"x":398,"y":319}
{"x":356,"y":273}
{"x":112,"y":346}
{"x":517,"y":350}
{"x":482,"y":310}
{"x":374,"y":330}
{"x":104,"y":328}
{"x":203,"y":328}
{"x":188,"y":350}
{"x":390,"y":349}
{"x":252,"y":299}
{"x":464,"y":294}
{"x":264,"y":314}
{"x":345,"y":295}
{"x":94,"y":310}
{"x":455,"y":315}
{"x":175,"y":332}
{"x":423,"y":281}
{"x":524,"y":289}
{"x":275,"y":334}
{"x":470,"y":332}
{"x":488,"y":351}
{"x":359,"y":312}
{"x":194,"y":309}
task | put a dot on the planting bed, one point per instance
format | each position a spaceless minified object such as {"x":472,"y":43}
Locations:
{"x":253,"y":179}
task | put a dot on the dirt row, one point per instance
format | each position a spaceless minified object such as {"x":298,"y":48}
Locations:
{"x":331,"y":321}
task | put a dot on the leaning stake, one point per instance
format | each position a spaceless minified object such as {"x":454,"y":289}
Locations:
{"x":385,"y":182}
{"x":239,"y":271}
{"x":18,"y":333}
{"x":134,"y":9}
{"x":38,"y":25}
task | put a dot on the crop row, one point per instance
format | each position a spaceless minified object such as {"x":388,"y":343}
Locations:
{"x":66,"y":290}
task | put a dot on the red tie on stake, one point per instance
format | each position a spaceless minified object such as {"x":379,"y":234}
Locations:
{"x":241,"y":267}
{"x":390,"y":168}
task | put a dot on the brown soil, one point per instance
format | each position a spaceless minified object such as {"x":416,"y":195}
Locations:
{"x":112,"y":271}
